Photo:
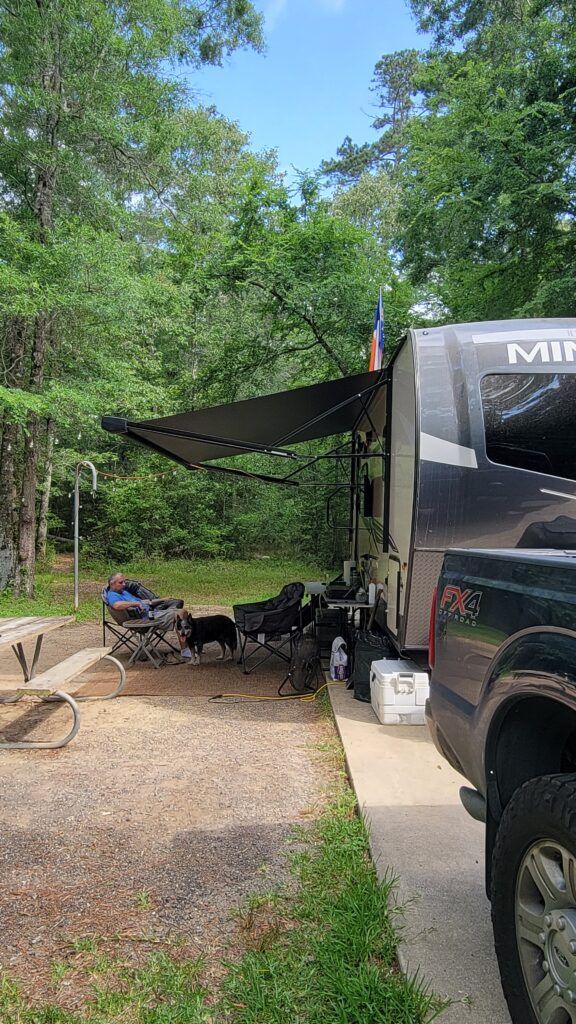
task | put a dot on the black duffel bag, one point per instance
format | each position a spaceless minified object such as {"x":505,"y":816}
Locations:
{"x":368,"y":647}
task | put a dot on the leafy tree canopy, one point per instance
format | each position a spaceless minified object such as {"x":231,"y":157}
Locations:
{"x":490,"y":186}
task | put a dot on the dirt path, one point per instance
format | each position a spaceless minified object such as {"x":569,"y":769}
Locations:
{"x":157,"y":819}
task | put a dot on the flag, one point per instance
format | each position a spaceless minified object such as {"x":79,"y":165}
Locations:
{"x":377,"y":350}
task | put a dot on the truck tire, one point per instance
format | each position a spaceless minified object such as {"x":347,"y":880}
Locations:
{"x":534,"y":901}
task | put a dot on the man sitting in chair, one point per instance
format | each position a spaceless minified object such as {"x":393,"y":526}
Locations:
{"x":165,"y":611}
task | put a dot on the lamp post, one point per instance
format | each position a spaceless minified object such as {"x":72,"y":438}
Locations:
{"x":80,"y":466}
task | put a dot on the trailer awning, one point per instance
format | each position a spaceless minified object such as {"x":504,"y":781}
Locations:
{"x":265,"y":425}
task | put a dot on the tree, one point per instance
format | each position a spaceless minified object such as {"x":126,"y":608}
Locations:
{"x":393,"y":85}
{"x":453,"y":20}
{"x":490,"y":189}
{"x":308,"y":278}
{"x":91,"y":136}
{"x":368,"y":177}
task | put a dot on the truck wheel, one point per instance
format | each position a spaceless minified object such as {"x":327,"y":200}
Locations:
{"x":534,"y":901}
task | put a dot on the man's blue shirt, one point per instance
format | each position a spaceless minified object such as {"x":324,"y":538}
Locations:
{"x":125,"y":595}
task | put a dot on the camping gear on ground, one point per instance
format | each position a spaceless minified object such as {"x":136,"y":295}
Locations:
{"x":329,"y":623}
{"x":305,"y":669}
{"x":271,"y":626}
{"x":368,"y":647}
{"x":140,"y":635}
{"x":398,"y":692}
{"x":339,"y":659}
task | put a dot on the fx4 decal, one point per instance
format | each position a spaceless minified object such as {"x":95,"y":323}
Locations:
{"x":460,"y":605}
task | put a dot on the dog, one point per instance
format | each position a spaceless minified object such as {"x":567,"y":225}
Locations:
{"x":208,"y":629}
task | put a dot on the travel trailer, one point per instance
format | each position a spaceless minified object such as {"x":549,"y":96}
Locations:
{"x":476,"y":424}
{"x":466,"y":438}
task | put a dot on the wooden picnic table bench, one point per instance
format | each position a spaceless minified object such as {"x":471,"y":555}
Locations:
{"x":53,"y":684}
{"x":14,"y":631}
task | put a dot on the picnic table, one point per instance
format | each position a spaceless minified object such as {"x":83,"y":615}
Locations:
{"x":47,"y":686}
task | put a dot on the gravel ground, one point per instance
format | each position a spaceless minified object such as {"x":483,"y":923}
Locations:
{"x":162,"y":814}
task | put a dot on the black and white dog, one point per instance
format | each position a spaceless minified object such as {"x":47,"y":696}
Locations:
{"x":208,"y":629}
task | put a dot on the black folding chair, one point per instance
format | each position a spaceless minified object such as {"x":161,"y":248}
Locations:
{"x":139,"y":637}
{"x":272,"y":627}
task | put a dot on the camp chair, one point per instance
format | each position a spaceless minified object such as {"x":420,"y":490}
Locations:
{"x":140,"y":637}
{"x":272,"y":626}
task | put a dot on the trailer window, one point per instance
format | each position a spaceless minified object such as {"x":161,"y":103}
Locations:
{"x":529,"y":421}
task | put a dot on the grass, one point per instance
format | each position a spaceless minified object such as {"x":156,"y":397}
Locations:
{"x":162,"y":992}
{"x":208,"y":582}
{"x":332,"y":952}
{"x":143,"y":899}
{"x":320,"y":951}
{"x":58,"y":971}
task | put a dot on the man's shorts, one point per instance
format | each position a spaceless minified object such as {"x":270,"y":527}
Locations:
{"x":165,"y":614}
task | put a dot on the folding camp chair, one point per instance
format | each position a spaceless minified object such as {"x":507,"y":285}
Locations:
{"x":140,"y":637}
{"x":272,"y":626}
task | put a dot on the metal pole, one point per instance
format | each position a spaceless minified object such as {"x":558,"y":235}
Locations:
{"x":76,"y":511}
{"x":79,"y":468}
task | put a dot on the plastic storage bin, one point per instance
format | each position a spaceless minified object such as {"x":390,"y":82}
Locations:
{"x":398,"y":692}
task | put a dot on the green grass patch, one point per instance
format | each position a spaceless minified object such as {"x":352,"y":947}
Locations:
{"x":321,"y":951}
{"x":332,"y":958}
{"x":208,"y":582}
{"x":164,"y":991}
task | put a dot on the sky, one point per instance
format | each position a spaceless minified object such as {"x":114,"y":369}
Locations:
{"x":311,"y":87}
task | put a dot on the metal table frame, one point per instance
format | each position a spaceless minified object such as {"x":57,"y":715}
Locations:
{"x":13,"y":633}
{"x":352,"y":607}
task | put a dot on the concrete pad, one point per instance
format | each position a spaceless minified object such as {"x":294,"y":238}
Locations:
{"x":420,"y":832}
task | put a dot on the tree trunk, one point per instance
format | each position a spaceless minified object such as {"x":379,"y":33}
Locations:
{"x":42,"y":533}
{"x":44,"y":190}
{"x":14,"y":348}
{"x":24,"y":582}
{"x":7,"y":548}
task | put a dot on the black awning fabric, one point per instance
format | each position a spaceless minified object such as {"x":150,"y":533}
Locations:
{"x":269,"y":424}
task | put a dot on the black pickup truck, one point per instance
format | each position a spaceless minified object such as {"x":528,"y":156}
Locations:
{"x":502,"y":710}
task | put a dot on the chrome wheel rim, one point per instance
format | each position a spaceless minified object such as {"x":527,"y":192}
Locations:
{"x":546,"y":930}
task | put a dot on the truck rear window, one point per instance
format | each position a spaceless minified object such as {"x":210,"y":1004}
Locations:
{"x":529,"y":421}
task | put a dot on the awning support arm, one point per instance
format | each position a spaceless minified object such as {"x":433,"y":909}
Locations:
{"x":215,"y":469}
{"x":328,"y":412}
{"x":243,"y":473}
{"x":243,"y":446}
{"x":376,"y":434}
{"x":333,"y":454}
{"x":316,"y":459}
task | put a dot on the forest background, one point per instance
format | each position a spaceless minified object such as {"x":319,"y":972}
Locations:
{"x":151,"y":262}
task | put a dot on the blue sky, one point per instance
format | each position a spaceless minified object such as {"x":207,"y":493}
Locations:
{"x":311,"y":87}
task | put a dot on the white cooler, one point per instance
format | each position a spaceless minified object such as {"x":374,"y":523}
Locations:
{"x":398,"y":691}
